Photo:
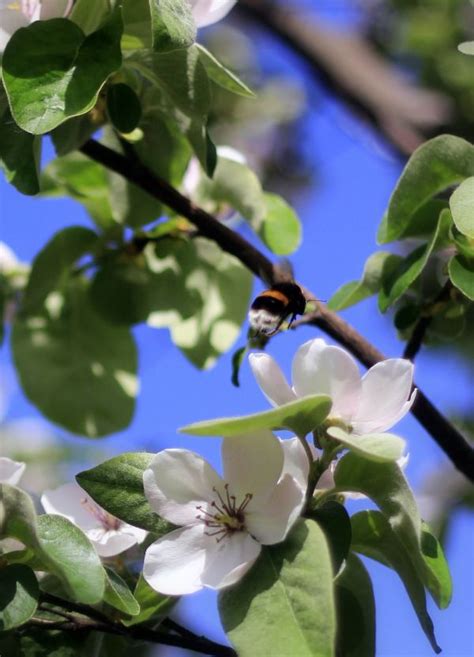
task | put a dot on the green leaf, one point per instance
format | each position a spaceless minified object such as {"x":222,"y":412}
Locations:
{"x":91,"y":366}
{"x":461,"y":273}
{"x":373,"y":537}
{"x":462,"y":207}
{"x":290,"y":581}
{"x":153,"y":605}
{"x":215,"y":326}
{"x":281,"y":228}
{"x":61,"y":546}
{"x":300,"y":416}
{"x":161,"y":25}
{"x":73,"y":133}
{"x":434,"y":166}
{"x":128,"y":288}
{"x":372,"y":446}
{"x":19,"y":592}
{"x":221,"y":75}
{"x":355,"y":610}
{"x":77,"y":176}
{"x":399,"y":280}
{"x":123,"y":106}
{"x":117,"y":486}
{"x":437,"y":569}
{"x":118,"y":595}
{"x":335,"y":522}
{"x":374,"y":272}
{"x":72,"y":558}
{"x":89,"y":14}
{"x":52,"y":266}
{"x":54,"y":59}
{"x":386,"y":485}
{"x":19,"y":152}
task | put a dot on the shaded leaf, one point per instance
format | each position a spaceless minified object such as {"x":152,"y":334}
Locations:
{"x":153,"y":605}
{"x":160,"y":25}
{"x":123,"y":106}
{"x":221,"y":75}
{"x":118,"y":595}
{"x":19,"y":592}
{"x":461,"y":273}
{"x":335,"y":522}
{"x":462,"y":207}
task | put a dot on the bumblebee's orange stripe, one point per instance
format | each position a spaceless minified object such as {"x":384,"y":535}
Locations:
{"x":276,"y":295}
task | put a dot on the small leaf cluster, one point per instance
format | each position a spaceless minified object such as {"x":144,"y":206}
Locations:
{"x":431,"y":216}
{"x":134,"y":71}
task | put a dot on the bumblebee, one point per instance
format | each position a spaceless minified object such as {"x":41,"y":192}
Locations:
{"x":270,"y":309}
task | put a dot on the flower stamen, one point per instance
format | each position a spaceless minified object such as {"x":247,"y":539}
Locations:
{"x":226,"y":517}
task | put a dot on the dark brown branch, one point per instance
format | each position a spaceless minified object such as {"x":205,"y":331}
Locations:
{"x":90,"y":619}
{"x":351,"y":70}
{"x":443,"y":432}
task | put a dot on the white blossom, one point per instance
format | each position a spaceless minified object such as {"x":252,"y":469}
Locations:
{"x":373,"y":403}
{"x":206,"y":12}
{"x":10,"y":471}
{"x":20,"y":13}
{"x":109,"y":535}
{"x":223,"y":521}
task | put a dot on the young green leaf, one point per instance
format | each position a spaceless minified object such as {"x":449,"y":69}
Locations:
{"x":461,"y":273}
{"x":437,"y":570}
{"x":434,"y":166}
{"x":374,"y":446}
{"x":290,"y":581}
{"x":19,"y":152}
{"x":19,"y":592}
{"x":221,"y":75}
{"x":123,"y":106}
{"x":300,"y":416}
{"x":161,"y":26}
{"x":52,"y":266}
{"x":118,"y":595}
{"x":117,"y":486}
{"x":54,"y":59}
{"x":281,"y":228}
{"x":89,"y":14}
{"x":91,"y":383}
{"x":355,"y":606}
{"x":335,"y":522}
{"x":462,"y":207}
{"x":153,"y":605}
{"x":354,"y":292}
{"x":373,"y":537}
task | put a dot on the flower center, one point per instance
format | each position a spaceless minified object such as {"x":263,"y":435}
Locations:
{"x":226,"y":516}
{"x":108,"y":521}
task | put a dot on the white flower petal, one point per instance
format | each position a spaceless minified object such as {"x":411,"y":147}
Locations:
{"x":174,"y":563}
{"x":296,"y":461}
{"x":109,"y":542}
{"x":70,"y":501}
{"x":206,"y":12}
{"x":271,"y":523}
{"x":385,"y":390}
{"x":271,"y":379}
{"x":252,"y":464}
{"x":178,"y":481}
{"x":319,"y":368}
{"x":10,"y":471}
{"x":326,"y":480}
{"x":229,"y":559}
{"x":54,"y":8}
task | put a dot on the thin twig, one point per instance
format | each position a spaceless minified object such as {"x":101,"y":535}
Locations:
{"x":79,"y":617}
{"x":451,"y":441}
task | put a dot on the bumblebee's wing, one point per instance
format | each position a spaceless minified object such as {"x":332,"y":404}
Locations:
{"x":283,"y":271}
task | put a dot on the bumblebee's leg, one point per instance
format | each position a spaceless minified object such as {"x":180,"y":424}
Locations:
{"x":293,"y":317}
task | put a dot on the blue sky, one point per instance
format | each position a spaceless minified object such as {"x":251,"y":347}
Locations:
{"x":340,"y":216}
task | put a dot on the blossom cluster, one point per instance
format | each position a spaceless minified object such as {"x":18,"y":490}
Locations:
{"x":223,"y":521}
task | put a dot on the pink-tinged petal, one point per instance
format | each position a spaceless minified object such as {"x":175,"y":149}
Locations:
{"x":206,"y":12}
{"x":252,"y":464}
{"x":326,"y":480}
{"x":109,"y":542}
{"x":271,"y":522}
{"x":10,"y":471}
{"x":319,"y":368}
{"x":229,"y":559}
{"x":271,"y":379}
{"x":296,"y":462}
{"x":54,"y":9}
{"x":174,"y":564}
{"x":177,"y":482}
{"x":385,"y":397}
{"x":70,"y":501}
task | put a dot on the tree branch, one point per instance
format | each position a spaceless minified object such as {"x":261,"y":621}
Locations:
{"x":351,"y":69}
{"x":80,"y":617}
{"x":444,"y":433}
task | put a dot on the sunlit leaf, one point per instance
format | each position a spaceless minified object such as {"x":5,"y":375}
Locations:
{"x":373,"y":446}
